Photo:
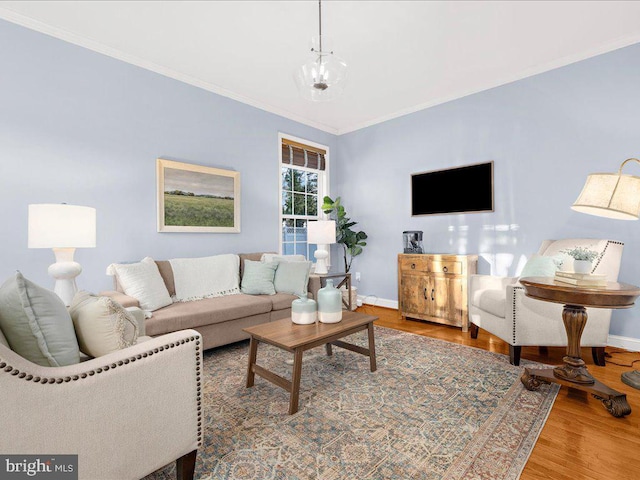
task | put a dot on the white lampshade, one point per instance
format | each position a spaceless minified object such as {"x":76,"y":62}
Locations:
{"x":610,"y":195}
{"x":61,"y":226}
{"x":322,"y":232}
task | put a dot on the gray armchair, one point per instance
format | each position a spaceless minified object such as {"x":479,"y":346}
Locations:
{"x":499,"y":305}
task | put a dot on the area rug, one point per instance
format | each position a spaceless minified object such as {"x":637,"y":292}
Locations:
{"x":432,"y":410}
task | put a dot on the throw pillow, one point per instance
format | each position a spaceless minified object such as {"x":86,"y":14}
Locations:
{"x":274,"y":257}
{"x":206,"y":277}
{"x":142,"y":281}
{"x":258,"y":278}
{"x":36,"y":323}
{"x":541,"y":266}
{"x":102,"y":325}
{"x":292,"y":277}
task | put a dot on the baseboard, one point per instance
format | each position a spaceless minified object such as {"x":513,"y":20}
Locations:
{"x":628,"y":343}
{"x":378,"y":302}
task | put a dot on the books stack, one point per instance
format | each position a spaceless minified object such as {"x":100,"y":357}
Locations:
{"x":581,"y":279}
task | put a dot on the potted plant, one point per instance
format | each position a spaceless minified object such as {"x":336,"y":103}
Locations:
{"x":582,"y":258}
{"x":351,"y":241}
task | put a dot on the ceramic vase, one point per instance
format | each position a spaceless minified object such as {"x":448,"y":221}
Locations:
{"x":303,"y":311}
{"x":582,"y":266}
{"x":329,"y":303}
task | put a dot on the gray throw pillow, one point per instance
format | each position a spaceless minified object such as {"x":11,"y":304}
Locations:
{"x":258,"y":278}
{"x":36,"y":323}
{"x":292,"y":277}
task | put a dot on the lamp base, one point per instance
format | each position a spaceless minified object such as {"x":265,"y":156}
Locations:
{"x":321,"y":261}
{"x":65,"y":271}
{"x":631,"y":378}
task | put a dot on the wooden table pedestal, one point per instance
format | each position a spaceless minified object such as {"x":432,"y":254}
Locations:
{"x":573,"y":373}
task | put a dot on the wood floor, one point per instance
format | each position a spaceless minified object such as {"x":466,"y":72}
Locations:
{"x":580,"y":439}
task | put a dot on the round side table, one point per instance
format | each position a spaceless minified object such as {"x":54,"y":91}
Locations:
{"x":573,"y":373}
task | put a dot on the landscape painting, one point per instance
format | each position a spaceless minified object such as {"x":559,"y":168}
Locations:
{"x":194,"y":198}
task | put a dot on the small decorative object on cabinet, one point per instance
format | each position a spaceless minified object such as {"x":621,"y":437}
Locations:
{"x":412,"y":240}
{"x":304,"y":311}
{"x":329,"y":304}
{"x":435,"y":287}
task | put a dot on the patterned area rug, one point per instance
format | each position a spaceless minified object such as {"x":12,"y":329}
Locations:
{"x":432,"y":410}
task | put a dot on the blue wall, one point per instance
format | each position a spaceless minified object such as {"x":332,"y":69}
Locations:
{"x":544,"y":133}
{"x":82,"y":128}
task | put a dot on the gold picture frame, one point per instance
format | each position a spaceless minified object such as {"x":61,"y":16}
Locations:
{"x":195,"y":198}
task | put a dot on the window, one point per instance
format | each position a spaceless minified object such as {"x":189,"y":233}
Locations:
{"x":302,"y":187}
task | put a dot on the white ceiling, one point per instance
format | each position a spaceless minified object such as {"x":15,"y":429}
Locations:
{"x":402,"y":56}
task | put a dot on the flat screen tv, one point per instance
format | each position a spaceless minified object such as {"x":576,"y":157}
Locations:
{"x":466,"y":189}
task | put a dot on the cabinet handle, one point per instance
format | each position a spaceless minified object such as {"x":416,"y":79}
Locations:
{"x":425,"y":293}
{"x":413,"y":266}
{"x":432,"y":294}
{"x":445,"y":269}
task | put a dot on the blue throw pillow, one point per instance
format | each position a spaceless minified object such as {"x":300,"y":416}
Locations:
{"x":292,"y":277}
{"x":257,"y":278}
{"x":541,"y":266}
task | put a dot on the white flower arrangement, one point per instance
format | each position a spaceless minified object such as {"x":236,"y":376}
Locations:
{"x":582,"y":253}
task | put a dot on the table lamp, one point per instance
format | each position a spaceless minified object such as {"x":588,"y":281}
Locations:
{"x":613,"y":195}
{"x":322,"y":233}
{"x":63,"y":228}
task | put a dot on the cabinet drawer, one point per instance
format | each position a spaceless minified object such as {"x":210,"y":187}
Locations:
{"x":452,"y":268}
{"x":415,"y":264}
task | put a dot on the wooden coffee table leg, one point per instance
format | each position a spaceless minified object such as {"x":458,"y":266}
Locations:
{"x":295,"y":381}
{"x":372,"y":348}
{"x":329,"y":349}
{"x":253,"y":350}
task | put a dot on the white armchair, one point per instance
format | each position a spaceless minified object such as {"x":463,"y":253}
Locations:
{"x":125,"y":414}
{"x":499,"y":305}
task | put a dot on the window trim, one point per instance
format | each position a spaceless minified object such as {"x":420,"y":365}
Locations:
{"x":325,"y":182}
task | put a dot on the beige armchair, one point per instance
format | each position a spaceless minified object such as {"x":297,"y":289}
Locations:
{"x":499,"y":305}
{"x":125,"y":414}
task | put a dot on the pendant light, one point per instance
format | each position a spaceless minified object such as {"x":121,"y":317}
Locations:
{"x":322,"y":77}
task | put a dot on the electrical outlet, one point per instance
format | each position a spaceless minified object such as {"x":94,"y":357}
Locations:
{"x":357,"y":276}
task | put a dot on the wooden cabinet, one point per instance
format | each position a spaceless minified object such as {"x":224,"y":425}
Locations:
{"x":435,"y":287}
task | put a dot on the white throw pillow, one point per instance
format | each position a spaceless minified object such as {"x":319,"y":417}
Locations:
{"x":206,"y":277}
{"x":143,"y":282}
{"x":102,"y":325}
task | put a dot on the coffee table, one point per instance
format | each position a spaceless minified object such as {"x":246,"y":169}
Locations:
{"x":297,"y":339}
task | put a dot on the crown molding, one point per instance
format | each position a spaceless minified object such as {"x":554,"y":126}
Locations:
{"x":61,"y":34}
{"x":561,"y":62}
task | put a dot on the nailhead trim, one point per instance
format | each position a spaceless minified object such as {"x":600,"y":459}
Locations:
{"x":198,"y":393}
{"x":605,"y":251}
{"x":513,"y":320}
{"x":57,"y":380}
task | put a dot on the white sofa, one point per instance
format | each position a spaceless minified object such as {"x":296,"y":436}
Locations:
{"x":499,"y":305}
{"x":125,"y":414}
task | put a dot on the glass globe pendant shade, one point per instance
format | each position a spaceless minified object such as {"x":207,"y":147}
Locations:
{"x":323,"y":76}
